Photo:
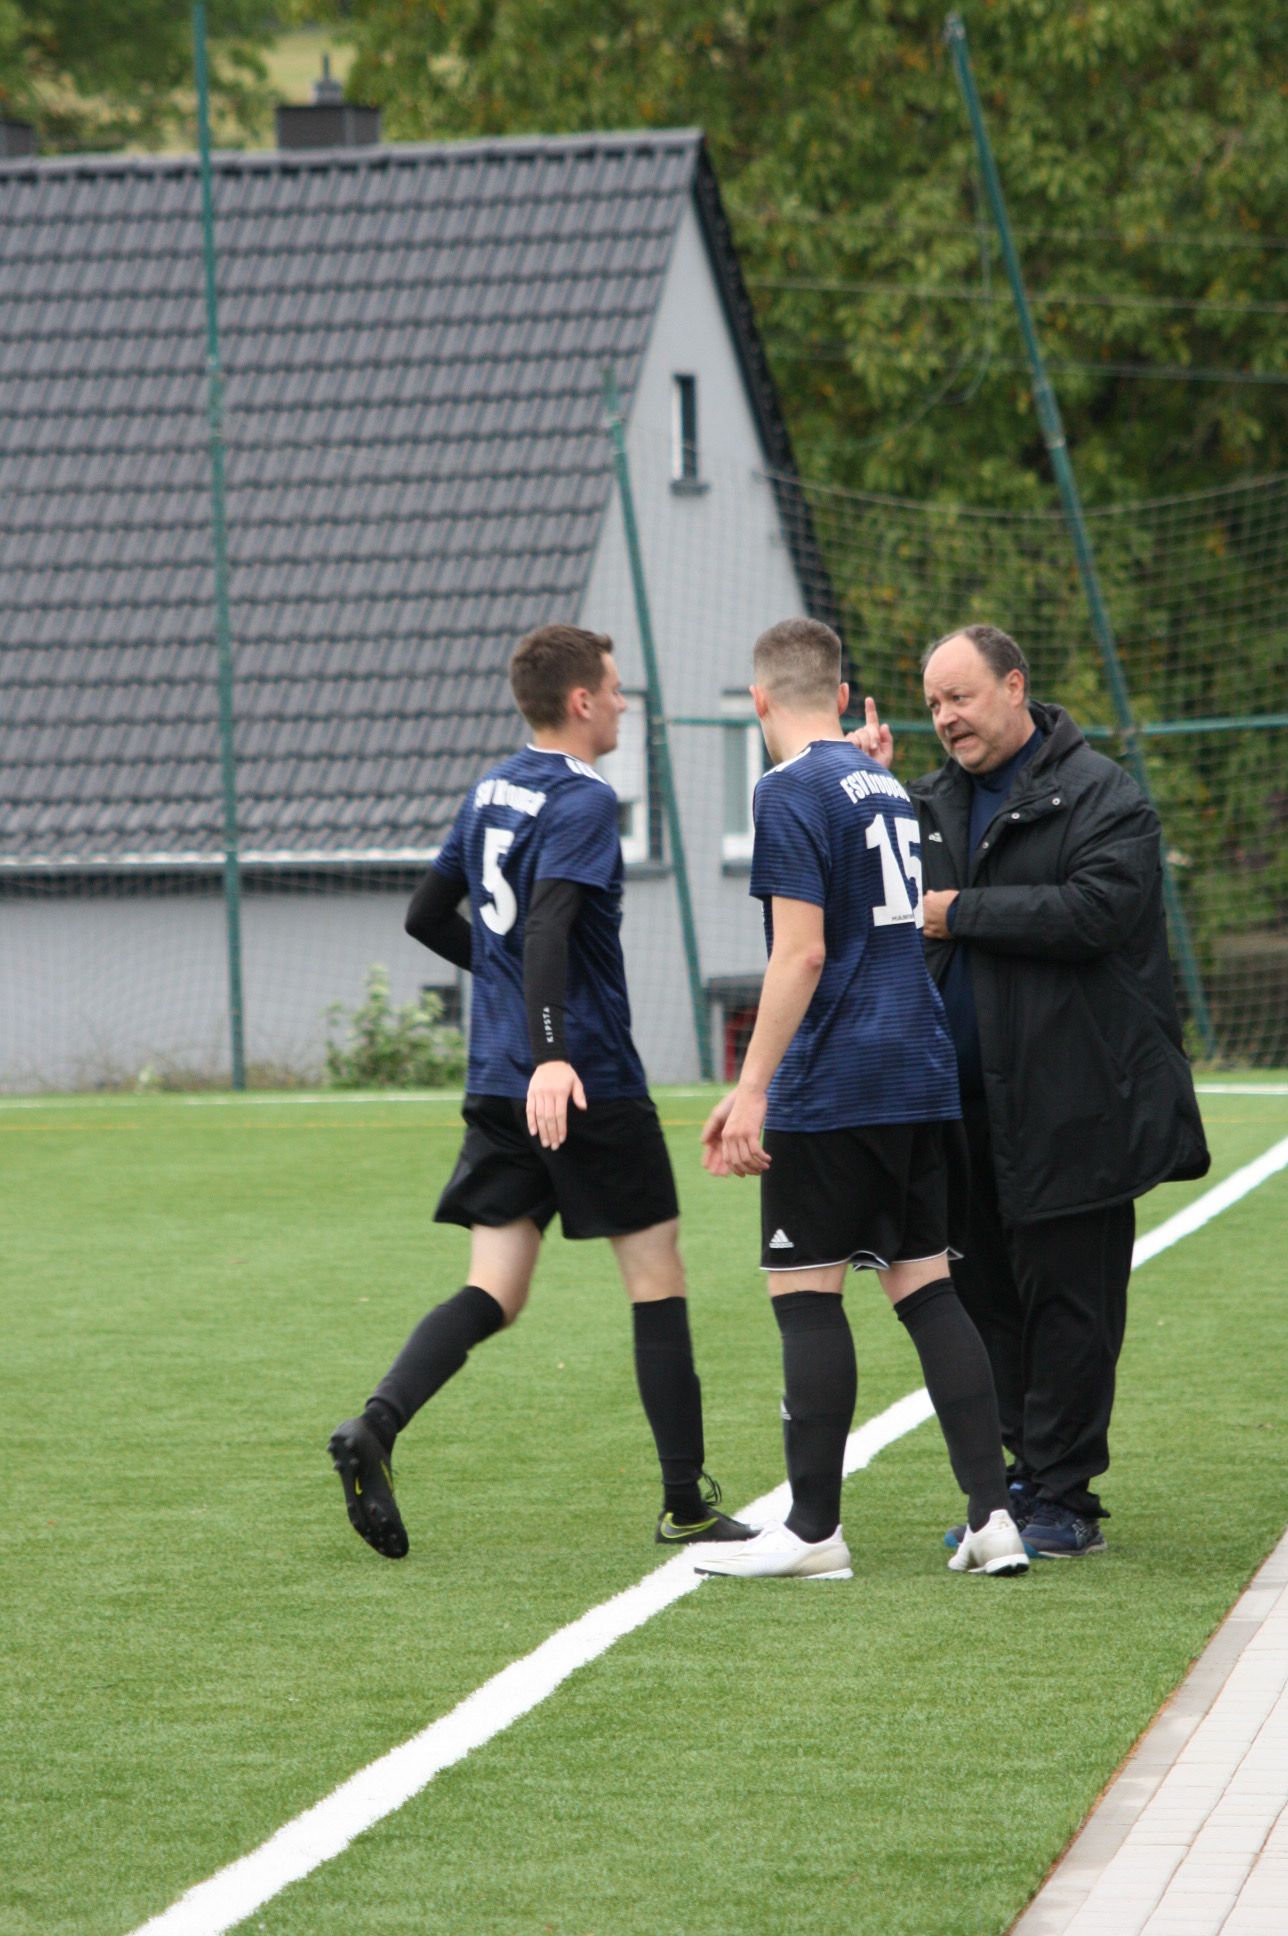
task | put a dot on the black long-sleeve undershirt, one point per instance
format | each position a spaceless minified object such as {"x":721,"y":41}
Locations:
{"x":552,"y":910}
{"x":435,"y":920}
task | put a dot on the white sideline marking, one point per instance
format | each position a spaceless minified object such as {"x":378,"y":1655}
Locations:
{"x":369,"y":1099}
{"x":212,"y":1907}
{"x":1210,"y":1204}
{"x":237,"y":1099}
{"x":299,"y":1098}
{"x":322,"y":1831}
{"x":1242,"y":1088}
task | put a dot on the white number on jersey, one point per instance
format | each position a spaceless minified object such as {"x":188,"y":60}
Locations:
{"x":897,"y":907}
{"x":500,"y":912}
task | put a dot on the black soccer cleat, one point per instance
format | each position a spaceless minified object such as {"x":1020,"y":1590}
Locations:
{"x":715,"y":1526}
{"x":711,"y":1525}
{"x":363,"y":1466}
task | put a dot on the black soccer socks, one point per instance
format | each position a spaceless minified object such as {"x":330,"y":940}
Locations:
{"x":820,"y":1389}
{"x":955,"y":1366}
{"x":672,"y":1400}
{"x":436,"y":1349}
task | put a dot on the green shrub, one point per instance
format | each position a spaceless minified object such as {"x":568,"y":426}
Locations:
{"x":392,"y":1048}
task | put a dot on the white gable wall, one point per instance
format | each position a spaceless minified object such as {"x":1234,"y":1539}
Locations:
{"x":100,"y":987}
{"x":718,"y":572}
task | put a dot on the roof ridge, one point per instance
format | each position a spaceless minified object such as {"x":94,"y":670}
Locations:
{"x":383,"y":154}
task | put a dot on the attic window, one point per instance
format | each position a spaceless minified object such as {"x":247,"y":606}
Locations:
{"x":685,"y":480}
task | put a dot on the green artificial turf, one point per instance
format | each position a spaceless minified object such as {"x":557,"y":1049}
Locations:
{"x":199,"y":1647}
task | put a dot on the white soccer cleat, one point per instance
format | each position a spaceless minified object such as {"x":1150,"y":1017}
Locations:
{"x":778,"y":1554}
{"x":995,"y":1548}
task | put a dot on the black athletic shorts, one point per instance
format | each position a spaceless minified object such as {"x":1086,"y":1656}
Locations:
{"x":611,"y":1177}
{"x":871,"y":1196}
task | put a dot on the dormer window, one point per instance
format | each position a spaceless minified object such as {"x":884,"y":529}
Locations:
{"x":685,"y":478}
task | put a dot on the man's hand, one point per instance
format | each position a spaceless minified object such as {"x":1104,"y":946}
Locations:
{"x":934,"y":910}
{"x":712,"y":1132}
{"x":548,"y":1092}
{"x":731,"y":1144}
{"x":872,"y":738}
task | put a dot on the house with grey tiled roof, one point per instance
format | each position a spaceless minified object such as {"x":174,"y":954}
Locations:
{"x":414,"y":341}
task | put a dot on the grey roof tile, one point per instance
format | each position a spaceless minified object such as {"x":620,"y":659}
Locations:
{"x":416,"y":470}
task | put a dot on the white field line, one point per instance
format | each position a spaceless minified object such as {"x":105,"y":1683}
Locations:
{"x":299,"y":1098}
{"x":293,"y":1099}
{"x":314,"y":1837}
{"x":240,"y":1099}
{"x":321,"y":1832}
{"x":371,"y":1099}
{"x":1242,"y":1088}
{"x":1210,"y":1204}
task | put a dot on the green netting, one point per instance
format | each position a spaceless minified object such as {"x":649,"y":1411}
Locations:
{"x":118,"y":975}
{"x":1197,"y":589}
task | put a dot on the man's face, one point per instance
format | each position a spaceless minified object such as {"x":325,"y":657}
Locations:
{"x":981,"y":720}
{"x":605,"y":707}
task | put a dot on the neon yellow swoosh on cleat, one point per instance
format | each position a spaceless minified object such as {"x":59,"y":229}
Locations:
{"x":671,"y":1530}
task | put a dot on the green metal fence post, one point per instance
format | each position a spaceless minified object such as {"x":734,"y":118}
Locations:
{"x":1053,"y":434}
{"x":215,"y":411}
{"x":659,"y":748}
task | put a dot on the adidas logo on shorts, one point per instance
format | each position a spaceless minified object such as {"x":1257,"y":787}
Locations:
{"x":781,"y":1241}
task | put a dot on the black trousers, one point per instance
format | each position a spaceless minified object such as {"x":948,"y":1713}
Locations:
{"x":1050,"y":1302}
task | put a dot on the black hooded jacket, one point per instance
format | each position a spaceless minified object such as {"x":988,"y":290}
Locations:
{"x":1088,"y":1090}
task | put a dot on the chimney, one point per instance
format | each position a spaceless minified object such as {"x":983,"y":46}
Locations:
{"x":330,"y":122}
{"x":17,"y":139}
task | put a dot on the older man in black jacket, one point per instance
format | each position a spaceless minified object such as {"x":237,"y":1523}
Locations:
{"x":1045,"y":933}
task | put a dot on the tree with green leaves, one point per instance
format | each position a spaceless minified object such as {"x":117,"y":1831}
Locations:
{"x":1143,"y":145}
{"x":1143,"y":150}
{"x":119,"y":73}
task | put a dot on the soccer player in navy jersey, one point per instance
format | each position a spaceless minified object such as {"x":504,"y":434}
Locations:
{"x":850,"y":1076}
{"x":557,"y":1112}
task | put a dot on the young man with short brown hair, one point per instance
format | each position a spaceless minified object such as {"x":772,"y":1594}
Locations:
{"x":850,"y":1076}
{"x":557,"y":1111}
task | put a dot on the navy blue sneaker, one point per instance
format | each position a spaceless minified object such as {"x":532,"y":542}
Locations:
{"x":1024,"y":1498}
{"x":1055,"y":1533}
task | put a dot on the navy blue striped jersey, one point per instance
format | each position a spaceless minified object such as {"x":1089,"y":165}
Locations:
{"x":835,"y":829}
{"x":543,"y":816}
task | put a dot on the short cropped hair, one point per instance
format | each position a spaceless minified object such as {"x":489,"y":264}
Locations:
{"x":798,"y":662}
{"x":550,"y":663}
{"x":996,"y":648}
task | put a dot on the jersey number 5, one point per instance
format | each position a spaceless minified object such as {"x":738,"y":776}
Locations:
{"x":897,"y":908}
{"x":499,"y":912}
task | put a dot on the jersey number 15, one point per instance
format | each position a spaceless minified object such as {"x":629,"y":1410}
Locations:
{"x":898,"y":907}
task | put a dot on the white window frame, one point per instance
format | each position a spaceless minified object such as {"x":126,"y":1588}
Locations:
{"x":740,"y":714}
{"x":626,"y":770}
{"x":684,"y":450}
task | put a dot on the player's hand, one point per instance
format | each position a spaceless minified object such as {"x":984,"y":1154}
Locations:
{"x":934,"y":913}
{"x":731,"y":1135}
{"x":552,"y":1084}
{"x":712,"y":1131}
{"x":872,"y":737}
